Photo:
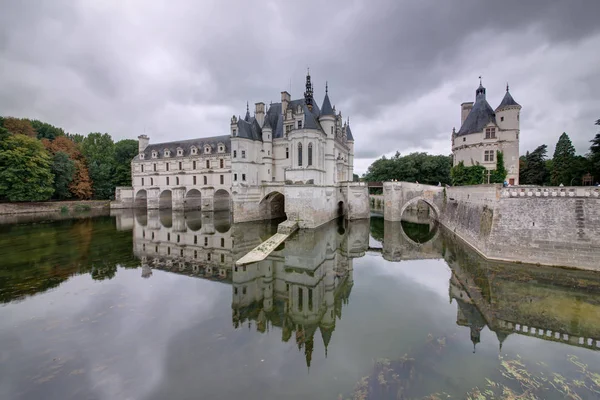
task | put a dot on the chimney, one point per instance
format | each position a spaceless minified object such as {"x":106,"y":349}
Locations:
{"x":143,"y":141}
{"x":465,"y":109}
{"x":259,"y":113}
{"x":285,"y":101}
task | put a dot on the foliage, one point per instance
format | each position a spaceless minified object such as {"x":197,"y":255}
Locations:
{"x":473,"y":175}
{"x":534,"y":171}
{"x":81,"y":185}
{"x":564,"y":155}
{"x":125,"y":150}
{"x":82,"y":207}
{"x":25,"y":173}
{"x":499,"y":174}
{"x":18,"y":126}
{"x":99,"y":151}
{"x":355,"y":178}
{"x":415,"y":167}
{"x":64,"y":209}
{"x":594,"y":155}
{"x":63,"y":169}
{"x":45,"y":130}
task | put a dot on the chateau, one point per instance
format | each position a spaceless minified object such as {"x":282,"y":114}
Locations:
{"x":293,"y":159}
{"x":484,"y":132}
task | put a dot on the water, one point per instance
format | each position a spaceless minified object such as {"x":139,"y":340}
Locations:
{"x":131,"y":307}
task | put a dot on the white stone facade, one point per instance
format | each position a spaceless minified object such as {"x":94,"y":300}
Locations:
{"x":293,"y":159}
{"x":484,"y":132}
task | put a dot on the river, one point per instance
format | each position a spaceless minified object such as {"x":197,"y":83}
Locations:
{"x":150,"y":305}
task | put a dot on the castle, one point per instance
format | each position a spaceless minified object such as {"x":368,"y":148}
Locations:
{"x":484,"y":132}
{"x":292,"y":159}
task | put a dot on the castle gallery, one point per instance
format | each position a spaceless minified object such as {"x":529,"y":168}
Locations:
{"x":291,"y":159}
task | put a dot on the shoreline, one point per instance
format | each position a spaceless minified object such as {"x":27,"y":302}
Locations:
{"x":64,"y":206}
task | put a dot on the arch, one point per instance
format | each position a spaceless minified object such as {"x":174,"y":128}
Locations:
{"x":299,"y":154}
{"x":309,"y":160}
{"x":221,"y":200}
{"x":166,"y":218}
{"x":416,"y":200}
{"x":141,"y":199}
{"x":435,"y":217}
{"x":165,"y":200}
{"x":193,"y":220}
{"x":341,"y":211}
{"x":272,"y":206}
{"x":222,"y":221}
{"x":193,"y":200}
{"x":141,"y":216}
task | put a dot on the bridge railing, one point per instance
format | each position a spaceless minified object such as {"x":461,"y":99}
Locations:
{"x":551,"y":191}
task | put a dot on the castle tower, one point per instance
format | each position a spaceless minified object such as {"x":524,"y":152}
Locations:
{"x":327,"y":121}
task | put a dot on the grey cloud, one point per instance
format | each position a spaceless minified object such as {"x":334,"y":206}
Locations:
{"x":117,"y":67}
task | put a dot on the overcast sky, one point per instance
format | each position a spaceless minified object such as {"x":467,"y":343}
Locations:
{"x":398,"y":69}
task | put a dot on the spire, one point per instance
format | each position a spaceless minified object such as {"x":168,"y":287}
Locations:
{"x":326,"y":109}
{"x":507,"y":86}
{"x":480,"y":90}
{"x":507,"y":101}
{"x":308,"y":94}
{"x":247,"y":117}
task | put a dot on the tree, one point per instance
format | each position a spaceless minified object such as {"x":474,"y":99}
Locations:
{"x":534,"y":170}
{"x":421,"y":167}
{"x":19,"y":126}
{"x":499,"y":174}
{"x":473,"y":175}
{"x":99,"y":151}
{"x":63,"y":169}
{"x":46,"y":131}
{"x":125,"y":150}
{"x":81,"y":185}
{"x":564,"y":156}
{"x":594,"y":155}
{"x":25,"y":173}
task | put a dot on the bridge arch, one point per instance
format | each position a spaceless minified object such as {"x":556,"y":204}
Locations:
{"x":193,"y":199}
{"x":165,"y":200}
{"x":272,"y":206}
{"x":222,"y":200}
{"x":436,"y":211}
{"x":141,"y":199}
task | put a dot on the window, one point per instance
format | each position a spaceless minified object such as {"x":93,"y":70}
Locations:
{"x":268,"y":152}
{"x":221,"y":163}
{"x":154,"y":167}
{"x":207,"y":149}
{"x":141,"y":156}
{"x":222,"y":179}
{"x":501,"y":119}
{"x":299,"y":154}
{"x":179,"y":152}
{"x":310,"y":151}
{"x":243,"y":177}
{"x":222,"y":242}
{"x":167,"y":180}
{"x":205,"y":180}
{"x":299,"y":124}
{"x":142,"y":167}
{"x":207,"y":163}
{"x":180,"y":165}
{"x":168,"y":250}
{"x":194,"y":150}
{"x":332,"y":131}
{"x":195,"y":253}
{"x":195,"y":239}
{"x":154,"y":154}
{"x":168,"y":237}
{"x":488,"y":155}
{"x":288,"y":128}
{"x":490,"y":133}
{"x":235,"y":177}
{"x":235,"y":154}
{"x":464,"y":139}
{"x":167,"y":166}
{"x":177,"y":180}
{"x":234,"y":132}
{"x":287,"y":152}
{"x":152,"y":235}
{"x":206,"y":241}
{"x":244,"y":290}
{"x":300,"y":299}
{"x":222,"y":258}
{"x":151,"y":181}
{"x":178,"y":238}
{"x":167,"y":153}
{"x":208,"y":256}
{"x":194,"y":180}
{"x":243,"y":153}
{"x":142,"y":181}
{"x":221,"y":149}
{"x":268,"y":136}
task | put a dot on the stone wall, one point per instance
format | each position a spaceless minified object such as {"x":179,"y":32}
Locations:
{"x":400,"y":195}
{"x":52,"y":206}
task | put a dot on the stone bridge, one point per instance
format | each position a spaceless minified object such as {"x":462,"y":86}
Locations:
{"x":557,"y":226}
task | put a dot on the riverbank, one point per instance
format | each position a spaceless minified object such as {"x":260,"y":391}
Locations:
{"x":53,"y":206}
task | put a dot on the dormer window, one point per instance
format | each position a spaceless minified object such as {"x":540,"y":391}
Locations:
{"x":194,"y":151}
{"x":167,"y":153}
{"x":234,"y":132}
{"x":299,"y":109}
{"x":154,"y":154}
{"x":207,"y":149}
{"x":141,"y":156}
{"x":299,"y":124}
{"x":490,"y":133}
{"x":179,"y":152}
{"x":221,"y":148}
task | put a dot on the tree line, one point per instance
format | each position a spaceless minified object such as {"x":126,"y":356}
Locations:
{"x":39,"y":162}
{"x":565,"y":167}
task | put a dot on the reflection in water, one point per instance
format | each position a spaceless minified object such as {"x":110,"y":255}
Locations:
{"x":296,"y":296}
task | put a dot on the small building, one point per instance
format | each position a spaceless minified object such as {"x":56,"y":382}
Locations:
{"x":485,"y":131}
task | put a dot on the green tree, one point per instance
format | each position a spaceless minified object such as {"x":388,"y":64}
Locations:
{"x":534,"y":170}
{"x":564,"y":156}
{"x":473,"y":175}
{"x":594,"y":155}
{"x":125,"y":150}
{"x":63,"y":169}
{"x":25,"y":173}
{"x":99,"y":151}
{"x":499,"y":174}
{"x":421,"y":167}
{"x":46,"y":131}
{"x":19,"y":126}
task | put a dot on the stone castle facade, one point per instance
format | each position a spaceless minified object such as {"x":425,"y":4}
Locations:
{"x":485,"y":131}
{"x":293,"y":159}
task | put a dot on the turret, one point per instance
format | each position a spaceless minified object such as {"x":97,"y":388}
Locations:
{"x":507,"y":113}
{"x":234,"y":127}
{"x":259,"y":113}
{"x":143,"y":142}
{"x":285,"y":101}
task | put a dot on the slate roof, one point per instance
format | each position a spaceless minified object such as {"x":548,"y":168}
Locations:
{"x":481,"y":114}
{"x":327,"y":109}
{"x":507,"y":101}
{"x":186,"y":146}
{"x":349,"y":133}
{"x":275,"y":117}
{"x":249,"y":129}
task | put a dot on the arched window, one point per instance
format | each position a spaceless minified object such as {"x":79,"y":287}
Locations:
{"x":299,"y":154}
{"x":310,"y":149}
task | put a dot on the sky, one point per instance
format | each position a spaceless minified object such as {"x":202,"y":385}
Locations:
{"x":398,"y":69}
